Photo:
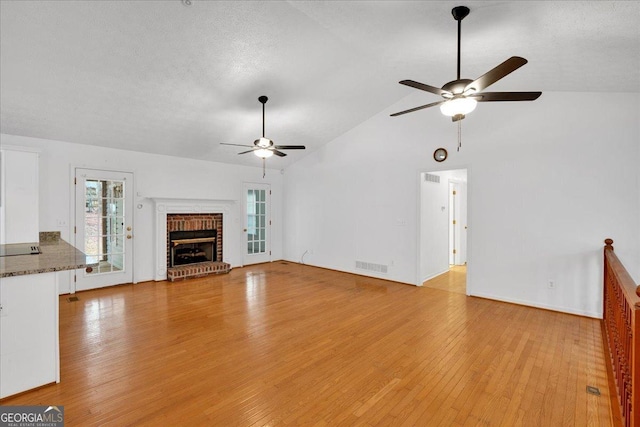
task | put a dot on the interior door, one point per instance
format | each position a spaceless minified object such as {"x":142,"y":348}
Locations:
{"x":104,"y":227}
{"x":257,"y":223}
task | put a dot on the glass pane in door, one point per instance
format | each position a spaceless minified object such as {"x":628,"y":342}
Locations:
{"x":104,"y":225}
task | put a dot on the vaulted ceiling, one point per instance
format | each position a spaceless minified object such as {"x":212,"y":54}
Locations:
{"x":180,"y":77}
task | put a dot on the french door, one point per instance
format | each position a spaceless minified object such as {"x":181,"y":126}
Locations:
{"x":257,"y":223}
{"x":104,"y":227}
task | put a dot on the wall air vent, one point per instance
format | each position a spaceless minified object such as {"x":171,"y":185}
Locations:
{"x":378,"y":268}
{"x":432,"y":178}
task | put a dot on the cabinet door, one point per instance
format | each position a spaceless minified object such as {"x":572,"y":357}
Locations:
{"x":19,"y":213}
{"x":28,"y":332}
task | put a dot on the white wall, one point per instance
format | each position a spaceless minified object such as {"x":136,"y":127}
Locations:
{"x":548,"y":181}
{"x":154,"y":176}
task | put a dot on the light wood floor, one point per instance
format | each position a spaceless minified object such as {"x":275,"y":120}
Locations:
{"x":285,"y":344}
{"x":454,"y":280}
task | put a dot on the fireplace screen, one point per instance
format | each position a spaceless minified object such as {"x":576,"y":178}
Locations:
{"x":190,"y":247}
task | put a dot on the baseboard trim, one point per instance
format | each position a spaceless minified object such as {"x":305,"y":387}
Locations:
{"x":560,"y":309}
{"x":433,"y":276}
{"x":380,"y":277}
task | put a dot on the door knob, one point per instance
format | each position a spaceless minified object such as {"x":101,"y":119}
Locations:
{"x":129,"y":228}
{"x":128,"y":236}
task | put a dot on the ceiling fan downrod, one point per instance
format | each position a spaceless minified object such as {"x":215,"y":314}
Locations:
{"x":263,"y":99}
{"x":459,"y":13}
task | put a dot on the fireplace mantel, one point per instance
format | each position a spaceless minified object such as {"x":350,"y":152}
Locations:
{"x":164,"y":206}
{"x":204,"y":205}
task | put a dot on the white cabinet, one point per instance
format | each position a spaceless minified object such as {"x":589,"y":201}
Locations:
{"x":29,"y":349}
{"x":19,"y":222}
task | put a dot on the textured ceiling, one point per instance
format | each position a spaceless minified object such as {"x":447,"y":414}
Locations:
{"x":163,"y":77}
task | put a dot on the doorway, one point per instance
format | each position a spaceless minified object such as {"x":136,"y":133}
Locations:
{"x":443,"y":229}
{"x":257,"y":223}
{"x":104,"y":227}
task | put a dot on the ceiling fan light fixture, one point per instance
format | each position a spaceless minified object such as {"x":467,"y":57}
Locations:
{"x":470,"y":91}
{"x":264,"y":142}
{"x":456,"y":106}
{"x":263,"y":153}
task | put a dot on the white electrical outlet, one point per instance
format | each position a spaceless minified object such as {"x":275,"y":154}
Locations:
{"x":62,"y":223}
{"x":551,"y":284}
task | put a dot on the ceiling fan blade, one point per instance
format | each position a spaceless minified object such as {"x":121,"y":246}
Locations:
{"x":248,"y":151}
{"x":506,"y":96}
{"x":492,"y":76}
{"x":289,"y":147}
{"x":424,"y":87}
{"x":278,"y":153}
{"x":433,"y":104}
{"x":236,"y":145}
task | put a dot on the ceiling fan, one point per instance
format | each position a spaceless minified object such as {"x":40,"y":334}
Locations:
{"x":462,"y":95}
{"x":264,"y":147}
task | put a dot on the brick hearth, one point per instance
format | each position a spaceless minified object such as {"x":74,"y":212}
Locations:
{"x":200,"y":269}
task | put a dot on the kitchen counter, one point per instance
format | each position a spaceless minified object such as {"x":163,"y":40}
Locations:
{"x":57,"y":255}
{"x":29,"y":303}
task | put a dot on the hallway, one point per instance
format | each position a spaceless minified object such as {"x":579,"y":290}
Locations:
{"x":455,"y":280}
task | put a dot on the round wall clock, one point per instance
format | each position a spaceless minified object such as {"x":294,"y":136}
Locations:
{"x":440,"y":155}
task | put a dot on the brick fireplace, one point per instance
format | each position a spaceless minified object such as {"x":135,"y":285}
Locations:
{"x":190,"y":238}
{"x":191,"y":228}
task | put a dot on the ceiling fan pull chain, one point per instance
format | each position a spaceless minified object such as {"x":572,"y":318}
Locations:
{"x":459,"y":134}
{"x":264,"y":168}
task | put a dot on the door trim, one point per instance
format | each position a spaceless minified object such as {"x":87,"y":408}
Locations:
{"x":469,"y":208}
{"x":72,"y":214}
{"x":267,"y":257}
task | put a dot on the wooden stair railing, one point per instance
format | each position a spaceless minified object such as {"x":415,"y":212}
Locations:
{"x":621,"y":323}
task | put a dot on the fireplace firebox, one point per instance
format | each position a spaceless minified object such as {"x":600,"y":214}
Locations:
{"x":191,"y":247}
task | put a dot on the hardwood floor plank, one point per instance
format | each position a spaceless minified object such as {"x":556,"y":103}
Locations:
{"x":287,"y":344}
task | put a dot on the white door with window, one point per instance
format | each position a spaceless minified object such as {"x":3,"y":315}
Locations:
{"x":104,"y":227}
{"x":257,"y":223}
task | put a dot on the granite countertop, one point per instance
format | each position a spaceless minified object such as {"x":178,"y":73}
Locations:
{"x":57,"y":255}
